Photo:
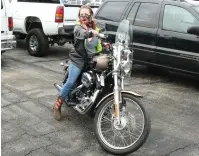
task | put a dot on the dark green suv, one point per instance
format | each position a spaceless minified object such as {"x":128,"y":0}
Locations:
{"x":165,"y":32}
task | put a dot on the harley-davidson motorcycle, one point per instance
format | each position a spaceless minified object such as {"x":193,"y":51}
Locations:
{"x":121,"y":123}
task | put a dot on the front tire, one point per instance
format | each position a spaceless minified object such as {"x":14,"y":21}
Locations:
{"x":111,"y":139}
{"x":37,"y":42}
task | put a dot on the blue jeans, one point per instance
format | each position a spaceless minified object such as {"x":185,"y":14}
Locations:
{"x":73,"y":74}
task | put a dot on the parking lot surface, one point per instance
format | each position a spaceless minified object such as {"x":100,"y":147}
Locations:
{"x":28,"y":95}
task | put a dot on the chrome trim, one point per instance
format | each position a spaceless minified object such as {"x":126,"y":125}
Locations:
{"x":8,"y":45}
{"x":95,"y":95}
{"x":58,"y":87}
{"x":166,"y":49}
{"x":93,"y":98}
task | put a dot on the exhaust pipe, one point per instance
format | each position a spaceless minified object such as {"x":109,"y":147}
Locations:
{"x":58,"y":87}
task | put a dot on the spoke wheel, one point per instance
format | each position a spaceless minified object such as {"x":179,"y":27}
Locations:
{"x":130,"y":133}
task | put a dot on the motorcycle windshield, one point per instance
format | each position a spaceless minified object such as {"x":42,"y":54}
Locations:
{"x":101,"y":27}
{"x":123,"y":33}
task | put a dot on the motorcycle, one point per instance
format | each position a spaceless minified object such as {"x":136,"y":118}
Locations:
{"x":121,"y":123}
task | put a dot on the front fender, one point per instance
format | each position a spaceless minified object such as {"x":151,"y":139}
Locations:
{"x":127,"y":92}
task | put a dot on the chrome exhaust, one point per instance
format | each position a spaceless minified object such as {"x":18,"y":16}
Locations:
{"x":58,"y":87}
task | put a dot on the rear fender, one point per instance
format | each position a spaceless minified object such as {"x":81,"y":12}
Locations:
{"x":111,"y":94}
{"x":32,"y":22}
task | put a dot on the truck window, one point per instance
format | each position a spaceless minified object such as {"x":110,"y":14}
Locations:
{"x":133,"y":11}
{"x":147,"y":15}
{"x":112,"y":11}
{"x":178,"y":19}
{"x":41,"y":1}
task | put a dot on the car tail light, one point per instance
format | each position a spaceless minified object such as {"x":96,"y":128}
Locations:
{"x":10,"y":23}
{"x":59,"y":15}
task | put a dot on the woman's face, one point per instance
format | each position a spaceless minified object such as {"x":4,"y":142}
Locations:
{"x":85,"y":15}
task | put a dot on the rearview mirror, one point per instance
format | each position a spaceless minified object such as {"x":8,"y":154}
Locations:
{"x":194,"y":30}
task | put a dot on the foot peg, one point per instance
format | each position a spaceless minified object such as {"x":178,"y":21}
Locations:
{"x":58,"y":87}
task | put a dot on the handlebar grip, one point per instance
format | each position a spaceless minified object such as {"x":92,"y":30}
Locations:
{"x":101,"y":35}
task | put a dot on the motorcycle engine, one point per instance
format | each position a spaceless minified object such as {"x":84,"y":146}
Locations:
{"x":88,"y":79}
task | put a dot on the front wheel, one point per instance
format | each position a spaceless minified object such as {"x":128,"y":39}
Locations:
{"x":128,"y":136}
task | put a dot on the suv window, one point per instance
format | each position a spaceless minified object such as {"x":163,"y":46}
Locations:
{"x":41,"y":1}
{"x":112,"y":11}
{"x":147,"y":15}
{"x":133,"y":11}
{"x":178,"y":19}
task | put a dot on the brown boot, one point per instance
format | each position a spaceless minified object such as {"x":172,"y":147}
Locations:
{"x":57,"y":108}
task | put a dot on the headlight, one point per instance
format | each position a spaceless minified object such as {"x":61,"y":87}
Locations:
{"x":126,"y":61}
{"x":126,"y":55}
{"x":127,"y":67}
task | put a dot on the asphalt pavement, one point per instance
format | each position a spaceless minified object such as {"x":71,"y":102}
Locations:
{"x":28,"y":95}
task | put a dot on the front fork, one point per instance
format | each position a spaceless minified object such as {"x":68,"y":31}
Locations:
{"x":117,"y":90}
{"x":116,"y":98}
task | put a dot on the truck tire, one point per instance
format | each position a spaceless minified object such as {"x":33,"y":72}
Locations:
{"x":37,"y":42}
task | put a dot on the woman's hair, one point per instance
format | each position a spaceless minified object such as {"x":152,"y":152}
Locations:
{"x":92,"y":23}
{"x":86,"y":7}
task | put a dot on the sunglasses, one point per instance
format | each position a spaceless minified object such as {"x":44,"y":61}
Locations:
{"x":85,"y":16}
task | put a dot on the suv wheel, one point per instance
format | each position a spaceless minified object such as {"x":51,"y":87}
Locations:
{"x":37,"y":42}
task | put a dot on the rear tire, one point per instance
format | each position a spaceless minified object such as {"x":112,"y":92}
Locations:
{"x":37,"y":42}
{"x":105,"y":143}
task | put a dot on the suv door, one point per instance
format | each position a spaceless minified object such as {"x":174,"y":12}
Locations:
{"x":176,"y":48}
{"x":111,"y":15}
{"x":145,"y":26}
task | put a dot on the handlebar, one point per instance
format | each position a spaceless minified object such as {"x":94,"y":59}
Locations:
{"x":103,"y":36}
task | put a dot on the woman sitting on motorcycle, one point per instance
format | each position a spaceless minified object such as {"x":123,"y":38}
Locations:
{"x":84,"y":31}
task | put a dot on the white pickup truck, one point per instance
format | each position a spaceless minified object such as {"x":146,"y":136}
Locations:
{"x":8,"y":41}
{"x":44,"y":22}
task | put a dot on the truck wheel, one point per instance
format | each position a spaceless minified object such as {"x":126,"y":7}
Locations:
{"x":37,"y":42}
